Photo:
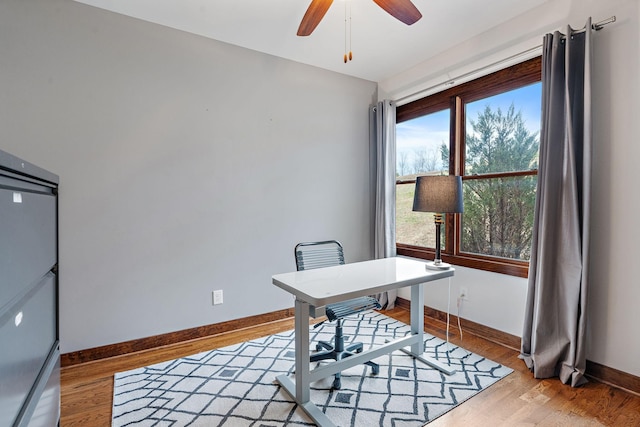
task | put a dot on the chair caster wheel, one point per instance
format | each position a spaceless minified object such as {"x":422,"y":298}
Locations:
{"x":337,"y":384}
{"x":375,"y":370}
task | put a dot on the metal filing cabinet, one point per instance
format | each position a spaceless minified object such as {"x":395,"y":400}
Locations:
{"x":29,"y":344}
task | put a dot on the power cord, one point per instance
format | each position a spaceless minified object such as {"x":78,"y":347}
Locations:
{"x":460,"y":299}
{"x":448,"y":311}
{"x":459,"y":304}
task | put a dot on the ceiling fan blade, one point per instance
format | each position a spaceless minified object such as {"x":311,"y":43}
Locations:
{"x":313,"y":16}
{"x":403,"y":10}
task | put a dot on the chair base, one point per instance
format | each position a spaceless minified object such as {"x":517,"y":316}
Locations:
{"x":331,"y":353}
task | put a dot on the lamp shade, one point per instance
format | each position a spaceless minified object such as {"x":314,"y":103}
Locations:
{"x":438,"y":194}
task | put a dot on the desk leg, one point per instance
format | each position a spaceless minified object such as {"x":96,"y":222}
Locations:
{"x":301,"y":390}
{"x":417,"y":328}
{"x":417,"y":318}
{"x":302,"y":351}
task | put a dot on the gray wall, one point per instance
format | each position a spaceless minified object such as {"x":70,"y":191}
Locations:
{"x":186,"y":165}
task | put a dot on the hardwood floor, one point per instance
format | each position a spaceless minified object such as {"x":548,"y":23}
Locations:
{"x":517,"y":400}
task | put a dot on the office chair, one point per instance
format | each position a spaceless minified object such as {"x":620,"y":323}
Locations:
{"x":329,"y":253}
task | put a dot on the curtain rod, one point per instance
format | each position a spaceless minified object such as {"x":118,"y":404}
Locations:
{"x":597,"y":27}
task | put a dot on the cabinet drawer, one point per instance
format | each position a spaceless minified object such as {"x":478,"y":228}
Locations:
{"x":47,"y":410}
{"x":43,"y":406}
{"x":28,"y":234}
{"x":27,"y":333}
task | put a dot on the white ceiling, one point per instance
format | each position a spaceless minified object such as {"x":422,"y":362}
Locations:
{"x":382,"y":46}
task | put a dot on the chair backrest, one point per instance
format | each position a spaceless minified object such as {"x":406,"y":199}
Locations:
{"x":310,"y":255}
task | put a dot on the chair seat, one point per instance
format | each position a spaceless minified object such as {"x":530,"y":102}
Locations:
{"x":347,"y":308}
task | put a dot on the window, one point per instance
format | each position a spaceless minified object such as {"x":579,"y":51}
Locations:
{"x":422,"y":148}
{"x":487,"y":131}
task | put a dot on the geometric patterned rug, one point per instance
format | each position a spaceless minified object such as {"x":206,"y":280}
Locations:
{"x":234,"y":386}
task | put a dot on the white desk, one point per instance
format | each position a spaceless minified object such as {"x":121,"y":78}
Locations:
{"x":322,"y":286}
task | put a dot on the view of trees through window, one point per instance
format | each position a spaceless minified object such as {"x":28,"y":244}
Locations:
{"x":497,"y":156}
{"x":498,"y":215}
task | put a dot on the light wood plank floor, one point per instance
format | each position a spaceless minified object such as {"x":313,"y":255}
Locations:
{"x":517,"y":400}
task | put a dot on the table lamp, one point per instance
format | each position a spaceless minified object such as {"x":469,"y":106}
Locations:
{"x":438,"y":194}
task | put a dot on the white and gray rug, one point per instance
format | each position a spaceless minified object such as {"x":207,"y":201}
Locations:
{"x":234,"y":386}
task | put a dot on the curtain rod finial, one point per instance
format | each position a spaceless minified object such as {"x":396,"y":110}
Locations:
{"x":600,"y":25}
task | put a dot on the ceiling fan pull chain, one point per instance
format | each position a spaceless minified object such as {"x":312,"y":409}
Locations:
{"x":350,"y":57}
{"x":345,"y":32}
{"x":350,"y":54}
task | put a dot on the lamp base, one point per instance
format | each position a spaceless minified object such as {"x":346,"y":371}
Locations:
{"x":430,"y":265}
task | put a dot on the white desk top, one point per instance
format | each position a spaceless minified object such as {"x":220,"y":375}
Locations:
{"x":328,"y":285}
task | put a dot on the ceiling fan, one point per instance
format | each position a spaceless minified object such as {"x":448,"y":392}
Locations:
{"x":403,"y":10}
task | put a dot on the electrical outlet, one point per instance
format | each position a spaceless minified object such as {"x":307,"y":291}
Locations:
{"x":217,"y":297}
{"x":464,"y":293}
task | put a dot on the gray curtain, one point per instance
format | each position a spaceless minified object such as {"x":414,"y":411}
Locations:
{"x":383,"y":143}
{"x":553,"y":339}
